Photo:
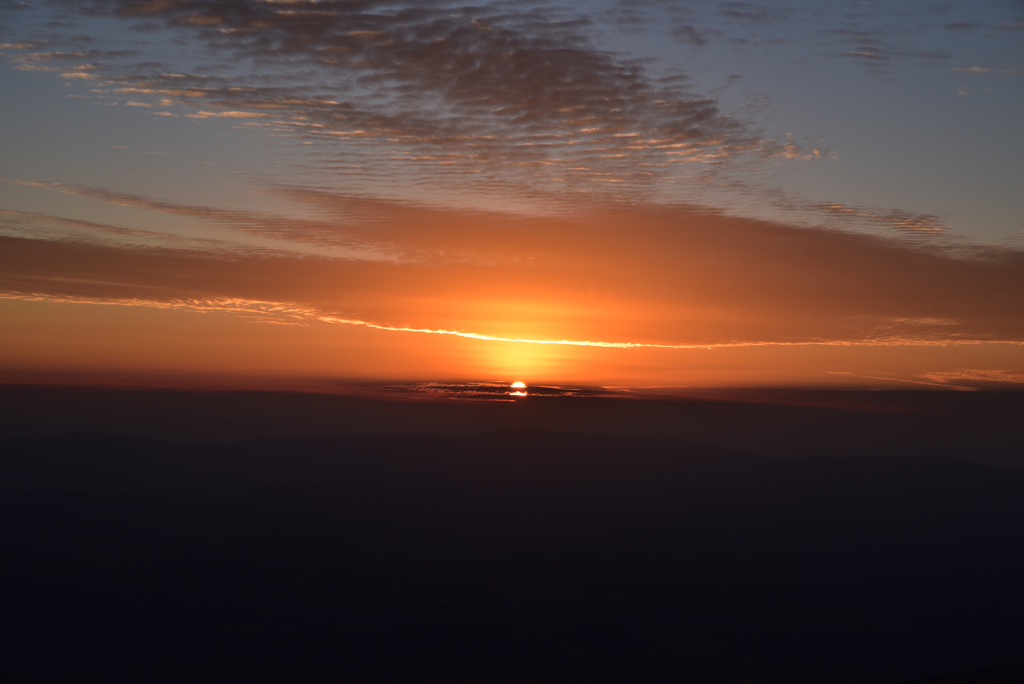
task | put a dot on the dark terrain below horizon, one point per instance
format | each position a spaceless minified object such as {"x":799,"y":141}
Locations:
{"x":515,"y":554}
{"x":981,"y":426}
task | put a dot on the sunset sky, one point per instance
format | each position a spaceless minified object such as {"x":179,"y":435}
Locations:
{"x":606,"y":192}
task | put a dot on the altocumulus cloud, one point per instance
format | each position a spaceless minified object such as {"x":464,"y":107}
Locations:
{"x":466,"y":88}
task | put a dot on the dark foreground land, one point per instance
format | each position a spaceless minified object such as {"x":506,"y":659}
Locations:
{"x":982,"y":426}
{"x":521,"y":555}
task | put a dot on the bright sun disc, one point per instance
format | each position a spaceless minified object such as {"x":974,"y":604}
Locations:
{"x":518,"y":385}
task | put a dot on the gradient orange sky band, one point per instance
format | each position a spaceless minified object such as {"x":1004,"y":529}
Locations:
{"x":484,"y":193}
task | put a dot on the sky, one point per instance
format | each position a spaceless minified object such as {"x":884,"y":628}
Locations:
{"x":635,"y":193}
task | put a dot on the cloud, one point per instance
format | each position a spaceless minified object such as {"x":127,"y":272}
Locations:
{"x":505,"y":95}
{"x":986,"y":70}
{"x":227,"y":115}
{"x":882,"y":37}
{"x":963,"y":25}
{"x":520,"y":87}
{"x":685,"y":33}
{"x":749,"y":13}
{"x":869,"y":53}
{"x":670,"y":276}
{"x":981,"y":377}
{"x":41,"y":226}
{"x":302,"y":231}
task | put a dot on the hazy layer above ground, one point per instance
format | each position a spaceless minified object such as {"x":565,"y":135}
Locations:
{"x":981,"y":426}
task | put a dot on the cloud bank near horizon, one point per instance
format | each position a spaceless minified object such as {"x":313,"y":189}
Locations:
{"x":621,"y":275}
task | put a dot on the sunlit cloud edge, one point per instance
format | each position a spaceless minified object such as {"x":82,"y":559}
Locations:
{"x":293,"y":314}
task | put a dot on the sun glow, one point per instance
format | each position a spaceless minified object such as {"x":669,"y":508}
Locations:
{"x":518,"y":385}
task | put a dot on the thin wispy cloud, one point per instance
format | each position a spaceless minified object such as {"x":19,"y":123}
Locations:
{"x":978,"y":376}
{"x":676,"y":277}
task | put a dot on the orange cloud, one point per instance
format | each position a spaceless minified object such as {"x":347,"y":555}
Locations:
{"x":611,"y":276}
{"x":977,"y":377}
{"x":226,"y":115}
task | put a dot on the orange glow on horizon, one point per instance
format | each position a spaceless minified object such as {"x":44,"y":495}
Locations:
{"x":49,"y":340}
{"x":669,"y":302}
